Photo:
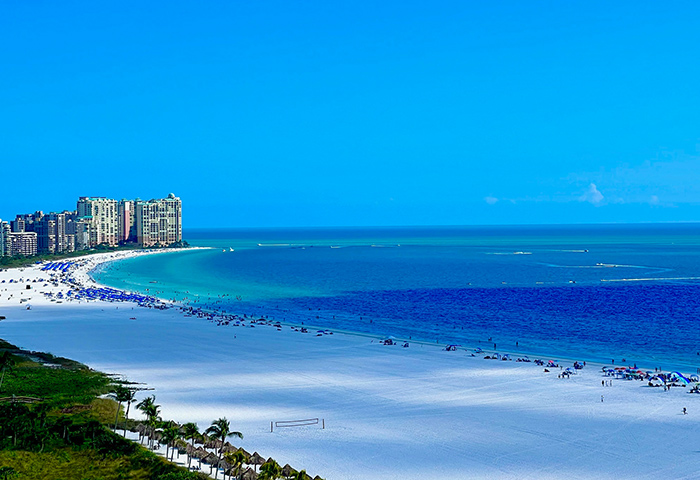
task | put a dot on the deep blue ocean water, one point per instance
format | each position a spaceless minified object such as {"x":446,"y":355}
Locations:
{"x":590,"y":292}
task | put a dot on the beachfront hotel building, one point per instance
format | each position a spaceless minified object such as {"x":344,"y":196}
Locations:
{"x":96,"y":221}
{"x":21,"y":243}
{"x":159,"y":221}
{"x":127,"y":221}
{"x":4,"y":233}
{"x":102,"y":217}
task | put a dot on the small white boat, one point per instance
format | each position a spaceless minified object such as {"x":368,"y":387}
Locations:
{"x":230,"y":249}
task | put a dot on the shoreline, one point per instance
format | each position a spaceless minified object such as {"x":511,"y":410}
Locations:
{"x":382,"y":405}
{"x":83,"y":277}
{"x":471,"y":346}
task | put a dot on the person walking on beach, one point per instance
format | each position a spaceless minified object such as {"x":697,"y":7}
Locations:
{"x":601,"y":399}
{"x":685,"y":412}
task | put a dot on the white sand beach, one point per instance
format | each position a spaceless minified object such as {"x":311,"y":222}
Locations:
{"x":390,"y":412}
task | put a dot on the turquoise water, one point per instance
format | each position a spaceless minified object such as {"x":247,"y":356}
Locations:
{"x":590,"y":292}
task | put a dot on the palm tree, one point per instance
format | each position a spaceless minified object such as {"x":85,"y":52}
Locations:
{"x":221,"y":429}
{"x":120,"y":394}
{"x":171,"y":433}
{"x":7,"y":361}
{"x":301,"y":475}
{"x":151,"y":410}
{"x":270,"y":470}
{"x":190,"y":431}
{"x":236,"y":460}
{"x":130,"y":398}
{"x":143,"y":405}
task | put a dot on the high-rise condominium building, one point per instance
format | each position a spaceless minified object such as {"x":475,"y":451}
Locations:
{"x":21,"y":243}
{"x":4,"y":232}
{"x":127,"y":221}
{"x":159,"y":221}
{"x":102,"y":216}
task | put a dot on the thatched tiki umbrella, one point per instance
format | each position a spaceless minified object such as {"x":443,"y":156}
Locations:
{"x":211,"y":459}
{"x":223,"y":465}
{"x":228,"y":448}
{"x":288,"y":471}
{"x":199,"y":454}
{"x":249,"y":474}
{"x":255,"y":459}
{"x":189,"y":450}
{"x":246,"y":455}
{"x":141,"y":430}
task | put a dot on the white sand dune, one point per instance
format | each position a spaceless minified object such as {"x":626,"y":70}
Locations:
{"x":390,"y":412}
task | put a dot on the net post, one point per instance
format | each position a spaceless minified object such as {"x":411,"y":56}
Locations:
{"x":323,"y":420}
{"x":270,"y":427}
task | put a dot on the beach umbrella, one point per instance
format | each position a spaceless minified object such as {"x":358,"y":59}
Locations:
{"x":288,"y":471}
{"x":255,"y":459}
{"x":249,"y":474}
{"x":210,"y":458}
{"x":224,"y":464}
{"x":200,"y":453}
{"x":228,"y":448}
{"x":245,"y":454}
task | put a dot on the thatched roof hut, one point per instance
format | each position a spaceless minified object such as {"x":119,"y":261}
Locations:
{"x":228,"y":448}
{"x":140,"y":428}
{"x":245,"y":454}
{"x":231,"y":472}
{"x":249,"y":474}
{"x":288,"y":471}
{"x":255,"y":459}
{"x":199,"y":452}
{"x":210,"y":458}
{"x":217,"y":444}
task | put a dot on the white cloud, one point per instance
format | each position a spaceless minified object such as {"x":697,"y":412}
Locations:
{"x":592,"y":195}
{"x":672,"y":177}
{"x":490,"y":200}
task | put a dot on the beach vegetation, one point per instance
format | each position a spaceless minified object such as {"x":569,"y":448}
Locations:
{"x":220,"y":429}
{"x":53,"y":424}
{"x":19,"y":261}
{"x":60,"y":419}
{"x":190,"y":432}
{"x":270,"y":470}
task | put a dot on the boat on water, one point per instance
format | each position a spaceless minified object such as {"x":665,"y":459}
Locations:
{"x":230,"y":249}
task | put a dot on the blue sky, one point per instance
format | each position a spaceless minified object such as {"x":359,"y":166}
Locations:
{"x":260,"y":113}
